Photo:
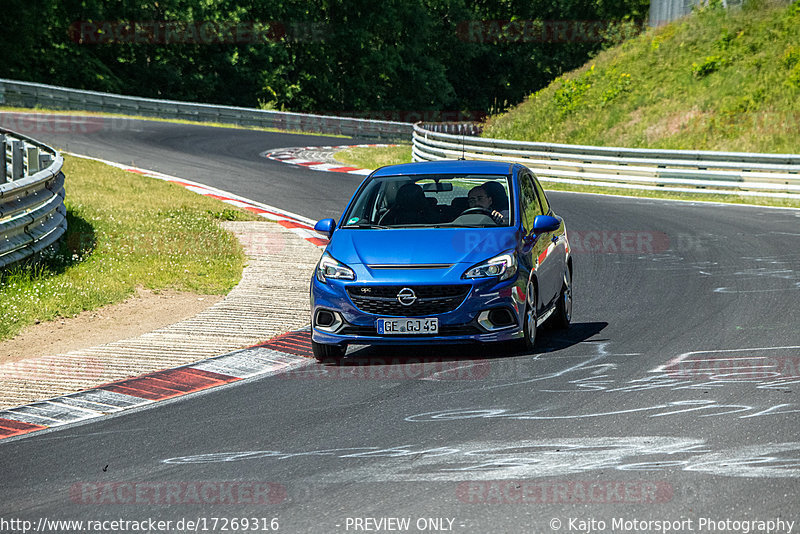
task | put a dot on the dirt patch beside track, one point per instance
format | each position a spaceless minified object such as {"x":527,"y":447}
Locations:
{"x":145,"y":312}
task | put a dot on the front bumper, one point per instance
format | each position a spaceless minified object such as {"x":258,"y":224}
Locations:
{"x":467,"y":323}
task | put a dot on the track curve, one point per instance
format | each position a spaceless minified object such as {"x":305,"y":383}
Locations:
{"x":674,"y":395}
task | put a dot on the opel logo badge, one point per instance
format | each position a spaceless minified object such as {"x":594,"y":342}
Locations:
{"x":406,"y":296}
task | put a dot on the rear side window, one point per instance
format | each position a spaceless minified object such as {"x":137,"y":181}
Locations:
{"x":532,"y":208}
{"x":528,"y":203}
{"x":542,"y":198}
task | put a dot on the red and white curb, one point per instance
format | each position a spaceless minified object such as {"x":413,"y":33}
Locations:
{"x":297,"y":224}
{"x":318,"y":158}
{"x":280,"y":354}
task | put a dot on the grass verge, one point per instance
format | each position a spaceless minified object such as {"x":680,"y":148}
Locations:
{"x":367,"y":158}
{"x":125,"y":231}
{"x":45,"y":111}
{"x":374,"y":157}
{"x":675,"y":195}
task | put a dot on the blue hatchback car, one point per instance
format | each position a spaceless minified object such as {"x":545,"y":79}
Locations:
{"x":441,"y":252}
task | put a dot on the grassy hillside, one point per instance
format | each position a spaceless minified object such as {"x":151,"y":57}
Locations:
{"x":716,"y":80}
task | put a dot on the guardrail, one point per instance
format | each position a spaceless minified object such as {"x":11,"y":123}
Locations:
{"x":27,"y":94}
{"x":32,"y":212}
{"x":728,"y":173}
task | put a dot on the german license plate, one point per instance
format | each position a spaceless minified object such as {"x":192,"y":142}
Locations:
{"x":408,"y":326}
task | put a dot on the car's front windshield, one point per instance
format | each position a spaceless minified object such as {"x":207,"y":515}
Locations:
{"x":432,"y":201}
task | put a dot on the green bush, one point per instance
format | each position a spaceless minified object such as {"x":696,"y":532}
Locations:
{"x":570,"y":95}
{"x":708,"y":65}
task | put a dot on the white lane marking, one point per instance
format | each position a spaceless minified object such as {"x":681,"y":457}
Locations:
{"x":729,"y":290}
{"x":710,"y":408}
{"x":682,"y":357}
{"x":252,"y":362}
{"x":323,"y":167}
{"x":526,"y":459}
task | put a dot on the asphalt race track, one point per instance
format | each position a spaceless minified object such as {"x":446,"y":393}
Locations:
{"x":674,"y":397}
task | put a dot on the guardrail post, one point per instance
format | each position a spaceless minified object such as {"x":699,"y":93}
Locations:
{"x":31,"y":201}
{"x":3,"y":169}
{"x":45,"y":160}
{"x":17,"y":157}
{"x":32,"y":159}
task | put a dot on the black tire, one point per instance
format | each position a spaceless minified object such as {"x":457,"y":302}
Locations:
{"x":563,"y":314}
{"x":528,"y":341}
{"x":328,"y":353}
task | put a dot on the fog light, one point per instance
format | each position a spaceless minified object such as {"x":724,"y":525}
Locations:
{"x":496,"y":319}
{"x":501,"y":317}
{"x":327,"y":320}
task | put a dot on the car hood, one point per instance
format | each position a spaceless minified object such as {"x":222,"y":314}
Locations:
{"x":416,"y":246}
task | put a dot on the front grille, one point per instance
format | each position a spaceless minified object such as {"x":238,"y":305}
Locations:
{"x":431,"y":300}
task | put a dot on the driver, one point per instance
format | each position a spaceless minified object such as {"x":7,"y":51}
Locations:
{"x":478,"y":197}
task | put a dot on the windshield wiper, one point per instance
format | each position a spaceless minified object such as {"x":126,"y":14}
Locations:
{"x":367,"y":226}
{"x":466,"y":226}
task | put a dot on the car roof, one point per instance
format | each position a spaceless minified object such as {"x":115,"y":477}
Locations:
{"x":446,"y":167}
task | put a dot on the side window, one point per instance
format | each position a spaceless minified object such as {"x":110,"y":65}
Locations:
{"x":536,"y":208}
{"x":542,"y":198}
{"x":528,"y":203}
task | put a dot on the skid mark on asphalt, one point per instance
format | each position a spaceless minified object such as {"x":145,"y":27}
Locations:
{"x":586,"y":362}
{"x":780,"y":272}
{"x":701,"y":408}
{"x":766,"y":367}
{"x":521,"y":459}
{"x":762,"y":367}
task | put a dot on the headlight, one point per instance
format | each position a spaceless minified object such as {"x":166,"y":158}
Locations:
{"x":504,"y":266}
{"x":331,"y":268}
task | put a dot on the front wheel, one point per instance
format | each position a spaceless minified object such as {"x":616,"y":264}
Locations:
{"x":328,"y":353}
{"x":563,"y":314}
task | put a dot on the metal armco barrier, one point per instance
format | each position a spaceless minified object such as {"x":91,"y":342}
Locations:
{"x":26,"y":94}
{"x":32,"y":212}
{"x":727,"y":173}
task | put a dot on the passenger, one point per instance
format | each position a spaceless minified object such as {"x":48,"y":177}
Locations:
{"x":478,"y":197}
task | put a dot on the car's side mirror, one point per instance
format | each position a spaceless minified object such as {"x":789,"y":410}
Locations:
{"x":325,"y":226}
{"x":545,"y":223}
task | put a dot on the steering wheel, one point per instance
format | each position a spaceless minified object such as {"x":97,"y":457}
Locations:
{"x":476,"y":210}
